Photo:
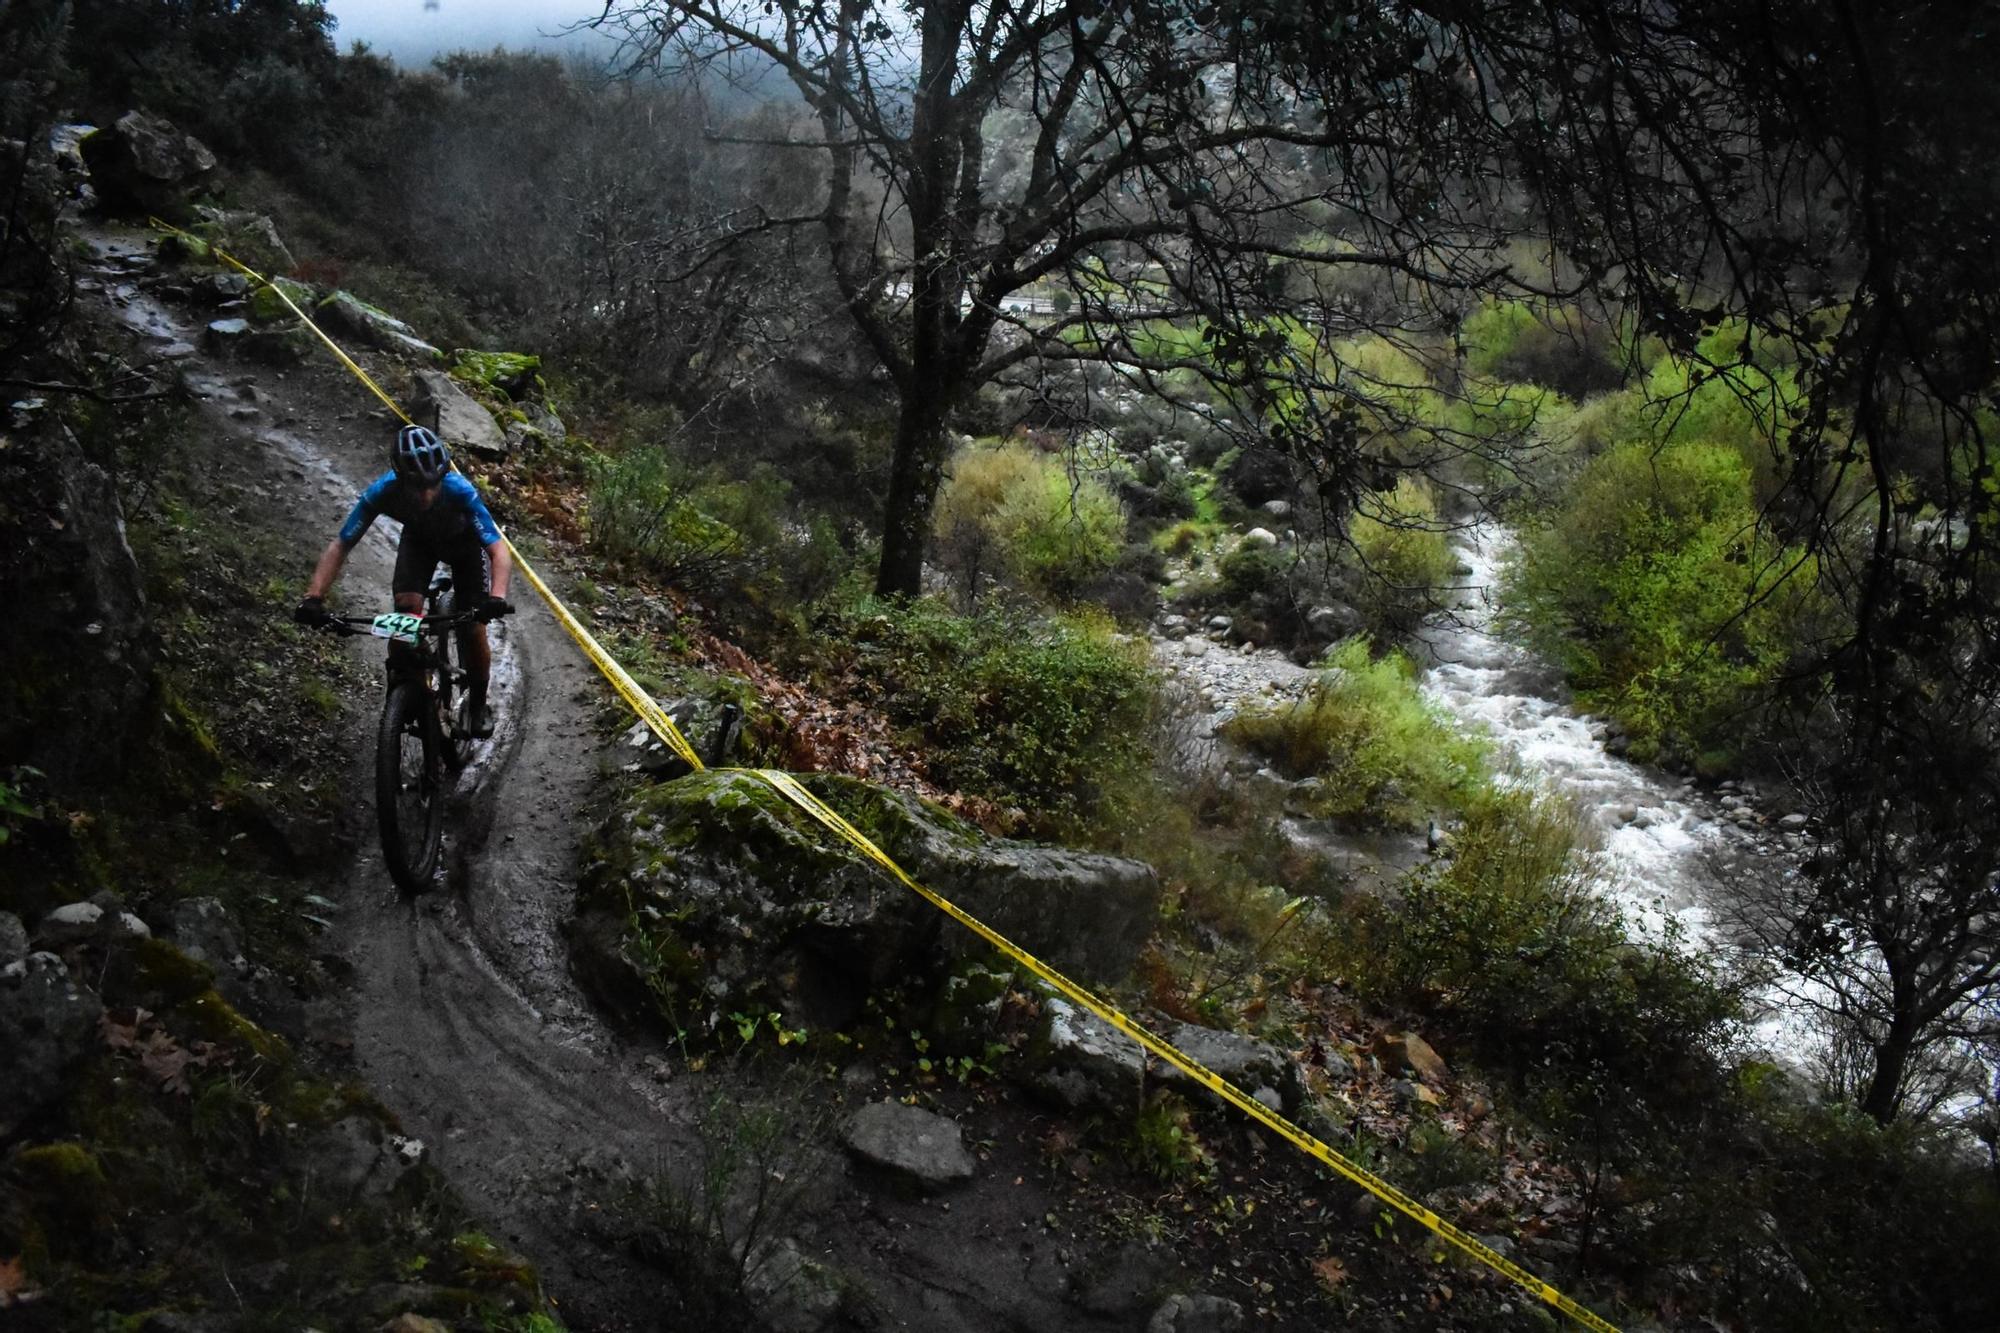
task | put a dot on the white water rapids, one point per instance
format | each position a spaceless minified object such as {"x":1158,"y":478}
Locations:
{"x":1672,"y":854}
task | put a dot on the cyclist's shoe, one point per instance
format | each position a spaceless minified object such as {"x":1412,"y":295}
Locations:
{"x":479,"y":719}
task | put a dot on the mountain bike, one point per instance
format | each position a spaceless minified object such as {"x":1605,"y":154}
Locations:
{"x":422,"y":742}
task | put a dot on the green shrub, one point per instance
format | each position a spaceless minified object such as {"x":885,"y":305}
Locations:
{"x":1039,"y":712}
{"x":1653,"y":588}
{"x":1404,"y":559}
{"x":1559,"y":348}
{"x":1507,"y":943}
{"x":647,"y":509}
{"x":1009,"y":508}
{"x":1382,"y":752}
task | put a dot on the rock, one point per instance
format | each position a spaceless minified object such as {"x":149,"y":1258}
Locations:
{"x":1196,"y":1314}
{"x":1277,"y":508}
{"x":206,"y":932}
{"x":1259,"y":475}
{"x":713,"y":894}
{"x":910,"y":1144}
{"x":460,"y":419}
{"x":144,"y":164}
{"x":1083,"y":1063}
{"x":345,"y":313}
{"x":47,"y":1023}
{"x":1409,"y":1051}
{"x":220,"y":288}
{"x":516,"y":374}
{"x":72,"y":923}
{"x":353,"y":1160}
{"x":278,"y":347}
{"x":1333,"y":621}
{"x":1259,"y":539}
{"x":791,"y":1293}
{"x":13,"y":938}
{"x":1411,"y":1091}
{"x":545,"y":421}
{"x":1174,"y":627}
{"x":251,"y":238}
{"x":176,"y":351}
{"x":71,"y":574}
{"x":1794,"y":822}
{"x":272,"y":302}
{"x":1255,"y":1066}
{"x":413,"y":1323}
{"x":1732,"y":802}
{"x":224,"y":335}
{"x":1220,"y":624}
{"x":1126,"y":1283}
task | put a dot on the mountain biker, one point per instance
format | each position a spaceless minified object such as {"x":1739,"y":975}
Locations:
{"x":444,"y":520}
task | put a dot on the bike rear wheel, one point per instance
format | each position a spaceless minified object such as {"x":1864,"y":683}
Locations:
{"x":411,"y":784}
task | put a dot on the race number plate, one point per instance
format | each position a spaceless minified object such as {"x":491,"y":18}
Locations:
{"x":398,"y":626}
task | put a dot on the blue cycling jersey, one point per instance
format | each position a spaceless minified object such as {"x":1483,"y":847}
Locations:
{"x":456,"y":511}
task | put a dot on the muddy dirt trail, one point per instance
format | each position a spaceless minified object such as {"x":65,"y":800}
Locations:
{"x":463,"y":1015}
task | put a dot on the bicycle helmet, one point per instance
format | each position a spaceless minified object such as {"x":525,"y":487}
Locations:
{"x":420,"y":456}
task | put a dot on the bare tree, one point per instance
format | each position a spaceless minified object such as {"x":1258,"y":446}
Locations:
{"x":1003,"y":186}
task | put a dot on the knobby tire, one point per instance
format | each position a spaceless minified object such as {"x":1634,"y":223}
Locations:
{"x":410,"y":799}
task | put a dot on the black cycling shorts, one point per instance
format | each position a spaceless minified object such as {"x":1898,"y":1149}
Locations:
{"x":417,"y":560}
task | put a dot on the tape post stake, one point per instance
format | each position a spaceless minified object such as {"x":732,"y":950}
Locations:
{"x":787,"y":786}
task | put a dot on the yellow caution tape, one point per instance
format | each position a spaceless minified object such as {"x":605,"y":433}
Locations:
{"x":787,"y":786}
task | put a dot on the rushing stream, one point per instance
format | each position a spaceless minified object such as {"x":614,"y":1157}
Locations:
{"x":1672,"y":851}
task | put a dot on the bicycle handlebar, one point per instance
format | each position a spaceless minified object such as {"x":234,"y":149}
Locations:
{"x":425,"y":624}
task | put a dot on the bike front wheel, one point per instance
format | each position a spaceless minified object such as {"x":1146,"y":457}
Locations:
{"x":410,"y":787}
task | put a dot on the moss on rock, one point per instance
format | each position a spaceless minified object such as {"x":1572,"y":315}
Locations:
{"x":266,"y":306}
{"x":714,"y":895}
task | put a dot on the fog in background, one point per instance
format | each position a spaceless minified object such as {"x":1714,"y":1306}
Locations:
{"x":412,"y":34}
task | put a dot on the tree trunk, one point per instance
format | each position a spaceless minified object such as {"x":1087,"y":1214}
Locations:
{"x":913,"y":488}
{"x":1892,"y":1060}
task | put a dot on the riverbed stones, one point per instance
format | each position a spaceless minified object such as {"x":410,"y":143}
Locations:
{"x":714,"y":895}
{"x":1259,"y":539}
{"x":910,"y":1145}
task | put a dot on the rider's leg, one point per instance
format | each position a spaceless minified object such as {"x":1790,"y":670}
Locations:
{"x":475,"y":649}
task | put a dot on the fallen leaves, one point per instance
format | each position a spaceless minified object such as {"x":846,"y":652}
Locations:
{"x":15,"y":1288}
{"x":138,"y":1035}
{"x":1330,"y":1271}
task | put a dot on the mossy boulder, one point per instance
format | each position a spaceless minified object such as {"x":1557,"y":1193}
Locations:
{"x":345,"y":314}
{"x":267,"y":306}
{"x":515,"y":374}
{"x":714,"y":895}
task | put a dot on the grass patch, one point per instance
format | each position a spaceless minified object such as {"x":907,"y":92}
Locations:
{"x":1382,"y":753}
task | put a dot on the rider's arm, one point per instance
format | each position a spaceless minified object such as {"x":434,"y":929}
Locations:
{"x":328,"y":568}
{"x":359,"y":520}
{"x":502,"y":566}
{"x":462,"y":491}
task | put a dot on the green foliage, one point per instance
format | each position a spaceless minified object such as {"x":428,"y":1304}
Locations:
{"x":1037,"y":711}
{"x":1010,"y":507}
{"x":1559,"y":348}
{"x":1508,"y":945}
{"x":1164,"y":1144}
{"x":1381,"y":751}
{"x":1404,"y":557}
{"x":659,"y":515}
{"x":1653,"y":587}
